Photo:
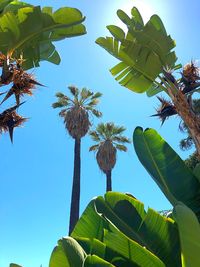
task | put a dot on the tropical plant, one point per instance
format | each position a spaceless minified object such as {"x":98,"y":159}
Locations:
{"x":147,"y":63}
{"x":109,"y":139}
{"x":26,"y":37}
{"x":117,"y":231}
{"x":75,"y":112}
{"x":29,"y":31}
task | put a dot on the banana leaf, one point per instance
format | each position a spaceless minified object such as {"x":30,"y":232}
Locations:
{"x":125,"y":218}
{"x":143,"y":51}
{"x":68,"y":253}
{"x":95,"y":261}
{"x":168,"y":170}
{"x":189,"y":231}
{"x":29,"y":31}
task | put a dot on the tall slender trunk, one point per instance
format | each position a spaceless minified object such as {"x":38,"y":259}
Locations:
{"x":108,"y":181}
{"x":75,"y":198}
{"x":191,"y":120}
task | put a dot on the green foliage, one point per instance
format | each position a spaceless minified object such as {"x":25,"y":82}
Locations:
{"x":189,"y":231}
{"x":118,"y":229}
{"x":192,"y":161}
{"x":93,"y":260}
{"x":68,"y":253}
{"x":3,"y":5}
{"x":143,"y":51}
{"x":109,"y":131}
{"x":167,"y":169}
{"x":83,"y":98}
{"x":29,"y":31}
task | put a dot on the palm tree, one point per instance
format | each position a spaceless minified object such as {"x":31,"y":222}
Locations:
{"x":75,"y":112}
{"x":109,"y":139}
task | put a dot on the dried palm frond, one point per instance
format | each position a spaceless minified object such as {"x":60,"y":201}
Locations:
{"x":76,"y":121}
{"x":23,"y":83}
{"x":190,"y":72}
{"x":190,"y":76}
{"x":165,"y":110}
{"x":106,"y":156}
{"x":9,"y":121}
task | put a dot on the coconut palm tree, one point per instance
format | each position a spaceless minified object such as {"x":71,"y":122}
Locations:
{"x":75,"y":112}
{"x":109,"y":139}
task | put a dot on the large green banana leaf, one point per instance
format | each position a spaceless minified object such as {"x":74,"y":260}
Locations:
{"x":147,"y":237}
{"x":167,"y":169}
{"x":143,"y":51}
{"x":68,"y":253}
{"x":29,"y":31}
{"x":13,"y":6}
{"x":189,"y":231}
{"x":95,"y":261}
{"x":3,"y":4}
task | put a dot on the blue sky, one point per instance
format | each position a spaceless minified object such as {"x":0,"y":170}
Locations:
{"x":37,"y":169}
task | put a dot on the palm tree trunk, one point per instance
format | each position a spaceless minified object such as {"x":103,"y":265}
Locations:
{"x":75,"y":198}
{"x":108,"y":181}
{"x":191,"y":120}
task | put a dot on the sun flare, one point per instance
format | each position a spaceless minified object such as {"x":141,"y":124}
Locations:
{"x":144,"y":8}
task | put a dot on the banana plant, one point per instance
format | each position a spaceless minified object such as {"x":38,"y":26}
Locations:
{"x":27,"y":34}
{"x":116,"y":229}
{"x":29,"y":31}
{"x":189,"y":232}
{"x":143,"y":51}
{"x":147,"y":64}
{"x":168,"y":170}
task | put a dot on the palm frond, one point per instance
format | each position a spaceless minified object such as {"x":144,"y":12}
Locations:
{"x":77,"y":110}
{"x":95,"y":136}
{"x":94,"y":148}
{"x":121,"y":139}
{"x":59,"y":95}
{"x":96,"y":95}
{"x":85,"y":93}
{"x":93,"y":102}
{"x":97,"y":113}
{"x":62,"y":113}
{"x":74,"y":90}
{"x":63,"y":102}
{"x":112,"y":132}
{"x":186,"y":143}
{"x":118,"y":129}
{"x":57,"y":105}
{"x":121,"y":147}
{"x":101,"y":129}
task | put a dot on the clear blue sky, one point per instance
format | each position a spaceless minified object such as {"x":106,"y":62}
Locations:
{"x":36,"y":171}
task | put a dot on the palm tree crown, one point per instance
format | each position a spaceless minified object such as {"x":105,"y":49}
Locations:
{"x":76,"y":110}
{"x":109,"y":139}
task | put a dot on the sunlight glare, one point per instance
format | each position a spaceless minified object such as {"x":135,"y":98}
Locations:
{"x":145,"y":9}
